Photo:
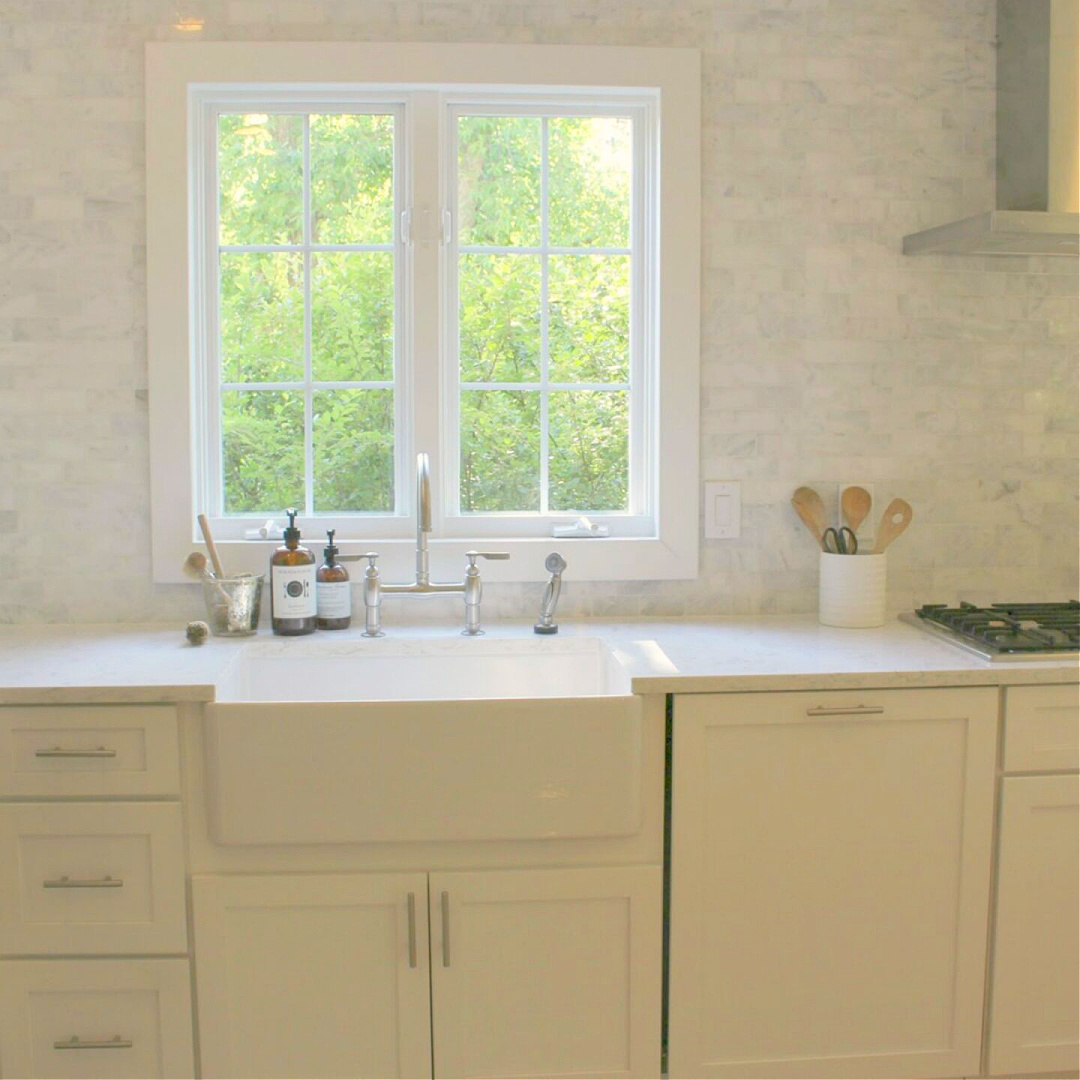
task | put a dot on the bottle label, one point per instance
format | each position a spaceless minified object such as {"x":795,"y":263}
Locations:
{"x":334,"y":599}
{"x":294,"y":591}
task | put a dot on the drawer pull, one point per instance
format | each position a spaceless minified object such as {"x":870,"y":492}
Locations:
{"x":60,"y":751}
{"x":445,"y":905}
{"x":117,"y":1042}
{"x":65,"y":882}
{"x":852,"y":710}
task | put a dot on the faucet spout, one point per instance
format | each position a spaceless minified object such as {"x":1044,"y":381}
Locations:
{"x":423,"y":518}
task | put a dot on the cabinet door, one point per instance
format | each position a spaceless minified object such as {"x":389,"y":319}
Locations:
{"x":91,"y":1018}
{"x":547,"y":972}
{"x":830,"y":882}
{"x":1034,"y":1003}
{"x":313,"y":975}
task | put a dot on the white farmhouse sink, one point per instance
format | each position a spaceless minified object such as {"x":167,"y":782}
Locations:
{"x":397,"y":741}
{"x":395,"y":670}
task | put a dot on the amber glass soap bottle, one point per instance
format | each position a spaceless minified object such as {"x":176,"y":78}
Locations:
{"x":292,"y":584}
{"x":333,"y":598}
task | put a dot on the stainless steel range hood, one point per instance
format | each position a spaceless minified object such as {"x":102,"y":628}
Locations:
{"x":1038,"y":131}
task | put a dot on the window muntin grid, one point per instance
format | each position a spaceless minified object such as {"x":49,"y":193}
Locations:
{"x":547,"y":387}
{"x":306,"y":249}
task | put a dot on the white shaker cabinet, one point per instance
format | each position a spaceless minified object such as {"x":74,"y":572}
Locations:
{"x":830,"y":874}
{"x":531,"y":973}
{"x":547,"y":972}
{"x":313,"y":975}
{"x":1034,"y":998}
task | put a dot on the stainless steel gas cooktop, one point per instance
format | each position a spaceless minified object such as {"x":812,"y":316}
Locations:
{"x":1005,"y":631}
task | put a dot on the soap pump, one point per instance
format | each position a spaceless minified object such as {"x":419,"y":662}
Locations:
{"x":292,"y":584}
{"x":332,"y":591}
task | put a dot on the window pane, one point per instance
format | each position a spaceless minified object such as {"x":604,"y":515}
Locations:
{"x":352,"y":179}
{"x":499,"y":310}
{"x":589,"y":181}
{"x":262,"y":316}
{"x":499,"y":180}
{"x":588,"y":447}
{"x":589,"y":318}
{"x":352,"y":315}
{"x":500,"y":450}
{"x":353,"y":445}
{"x":262,"y":437}
{"x":260,"y":179}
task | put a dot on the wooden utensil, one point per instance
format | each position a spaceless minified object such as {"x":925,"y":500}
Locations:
{"x":894,"y":521}
{"x":208,"y":539}
{"x":811,"y":510}
{"x":855,"y":504}
{"x":195,"y":566}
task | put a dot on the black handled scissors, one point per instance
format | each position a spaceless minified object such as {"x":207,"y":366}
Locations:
{"x":840,"y":541}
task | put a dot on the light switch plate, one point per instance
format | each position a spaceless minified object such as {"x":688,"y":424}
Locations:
{"x":723,"y":509}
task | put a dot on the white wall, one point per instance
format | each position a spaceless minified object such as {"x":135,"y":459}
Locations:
{"x":831,"y":128}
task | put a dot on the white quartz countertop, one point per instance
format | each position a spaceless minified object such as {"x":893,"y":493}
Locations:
{"x":153,"y":663}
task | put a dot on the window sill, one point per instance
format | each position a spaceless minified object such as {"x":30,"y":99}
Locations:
{"x":589,"y":559}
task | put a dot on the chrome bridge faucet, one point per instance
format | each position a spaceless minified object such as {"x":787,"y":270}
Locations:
{"x":470,"y":588}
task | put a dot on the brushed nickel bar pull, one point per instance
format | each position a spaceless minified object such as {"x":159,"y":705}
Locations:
{"x":445,"y":929}
{"x":117,"y":1042}
{"x":412,"y":930}
{"x":60,"y":751}
{"x":853,"y":710}
{"x":107,"y":882}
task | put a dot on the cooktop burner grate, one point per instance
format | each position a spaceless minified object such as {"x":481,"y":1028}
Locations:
{"x":1011,"y":628}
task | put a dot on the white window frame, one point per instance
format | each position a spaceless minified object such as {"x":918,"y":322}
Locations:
{"x":182,"y":78}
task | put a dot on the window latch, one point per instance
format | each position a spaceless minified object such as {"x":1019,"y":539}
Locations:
{"x":406,"y":227}
{"x":447,"y":228}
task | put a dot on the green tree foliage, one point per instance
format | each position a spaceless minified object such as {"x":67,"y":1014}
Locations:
{"x":260,"y":166}
{"x":501,"y":317}
{"x":500,"y":163}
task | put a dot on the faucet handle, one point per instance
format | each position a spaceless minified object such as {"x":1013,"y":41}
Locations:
{"x":371,"y":556}
{"x":472,"y":556}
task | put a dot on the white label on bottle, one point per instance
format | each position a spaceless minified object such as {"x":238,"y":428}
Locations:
{"x":335,"y":601}
{"x":294,"y":591}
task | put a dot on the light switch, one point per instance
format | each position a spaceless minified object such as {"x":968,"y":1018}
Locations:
{"x":723,"y":509}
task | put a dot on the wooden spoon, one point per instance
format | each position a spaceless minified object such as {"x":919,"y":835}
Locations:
{"x":894,"y":521}
{"x":811,"y":510}
{"x":855,"y":503}
{"x":210,"y":546}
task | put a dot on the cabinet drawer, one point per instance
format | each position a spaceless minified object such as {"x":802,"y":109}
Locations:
{"x":1042,"y":728}
{"x":837,"y":706}
{"x":56,"y":1014}
{"x":92,"y":878}
{"x":51,"y":751}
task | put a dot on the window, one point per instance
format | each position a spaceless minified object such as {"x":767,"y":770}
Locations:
{"x":300,"y":404}
{"x":304,"y":376}
{"x":462,"y":266}
{"x":542,"y":274}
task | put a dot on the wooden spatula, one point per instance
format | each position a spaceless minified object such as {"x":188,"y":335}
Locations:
{"x":208,"y":539}
{"x":811,"y":510}
{"x":894,"y":521}
{"x":855,"y":503}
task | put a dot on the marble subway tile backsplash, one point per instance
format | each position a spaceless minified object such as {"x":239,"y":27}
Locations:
{"x":830,"y":129}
